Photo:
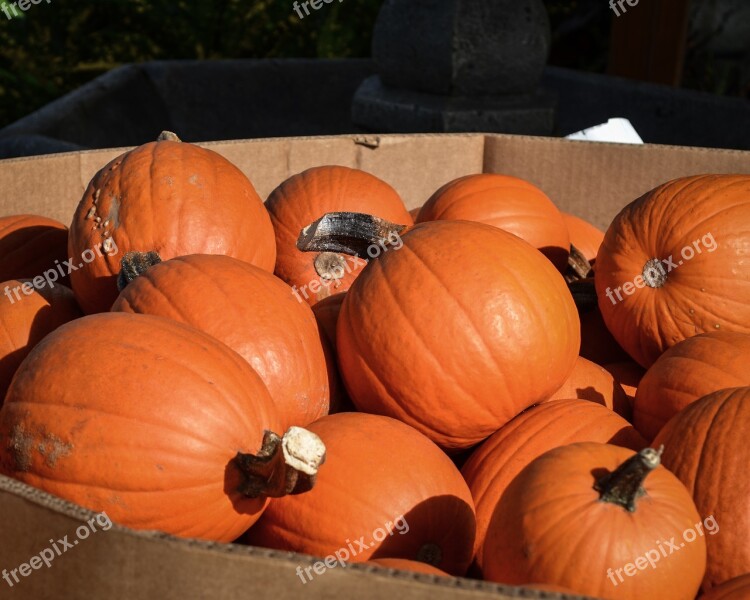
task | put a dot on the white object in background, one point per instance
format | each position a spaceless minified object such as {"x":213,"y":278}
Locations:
{"x":614,"y":130}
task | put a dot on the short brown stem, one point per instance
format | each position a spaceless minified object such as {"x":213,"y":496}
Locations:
{"x":134,"y":264}
{"x":348,"y":233}
{"x":578,"y":266}
{"x":284,"y":465}
{"x":654,"y":274}
{"x":624,"y":485}
{"x":168,"y":136}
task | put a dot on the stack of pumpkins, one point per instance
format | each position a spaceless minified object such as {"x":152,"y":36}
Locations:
{"x":304,"y":373}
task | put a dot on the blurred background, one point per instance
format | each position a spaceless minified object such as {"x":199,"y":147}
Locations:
{"x":56,"y":47}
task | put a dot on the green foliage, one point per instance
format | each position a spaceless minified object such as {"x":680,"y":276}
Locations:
{"x":55,"y":47}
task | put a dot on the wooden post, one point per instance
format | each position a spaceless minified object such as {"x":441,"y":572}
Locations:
{"x":648,"y":40}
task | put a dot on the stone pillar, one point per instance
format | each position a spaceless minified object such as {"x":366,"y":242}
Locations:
{"x":458,"y":65}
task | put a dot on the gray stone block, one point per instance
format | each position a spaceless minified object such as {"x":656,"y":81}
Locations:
{"x":462,"y":47}
{"x":387,"y":110}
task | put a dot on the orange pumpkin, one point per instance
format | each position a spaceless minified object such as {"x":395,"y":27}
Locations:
{"x":385,"y":491}
{"x":734,"y":589}
{"x":414,"y":212}
{"x":169,"y":197}
{"x":584,"y":236}
{"x":455,"y":342}
{"x":493,"y":465}
{"x":327,"y":314}
{"x":151,"y":421}
{"x":404,"y":564}
{"x":31,"y":245}
{"x":252,"y":312}
{"x":580,"y":515}
{"x":589,"y":381}
{"x":509,"y":203}
{"x":705,"y":445}
{"x":674,"y":264}
{"x":26,"y":319}
{"x":693,"y":368}
{"x":305,"y":197}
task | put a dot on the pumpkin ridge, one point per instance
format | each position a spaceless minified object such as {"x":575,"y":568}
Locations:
{"x":404,"y":407}
{"x":455,"y":377}
{"x":167,"y":424}
{"x":22,"y":249}
{"x":452,"y":297}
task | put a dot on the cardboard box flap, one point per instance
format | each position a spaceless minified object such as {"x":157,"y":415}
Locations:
{"x":122,"y":564}
{"x":593,"y":180}
{"x":417,"y":165}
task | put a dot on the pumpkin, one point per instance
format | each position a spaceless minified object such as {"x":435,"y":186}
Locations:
{"x":309,"y":195}
{"x":252,"y":312}
{"x":509,"y":203}
{"x":26,"y":318}
{"x":584,"y":236}
{"x":674,"y":264}
{"x":154,"y":423}
{"x":404,"y":564}
{"x":327,"y":314}
{"x":492,"y":466}
{"x":689,"y":370}
{"x":414,"y":212}
{"x":31,"y":246}
{"x":597,"y":343}
{"x":705,"y":445}
{"x":628,"y":374}
{"x":580,"y":515}
{"x":449,"y":334}
{"x":734,"y":589}
{"x":589,"y":381}
{"x":386,"y":492}
{"x":169,"y":197}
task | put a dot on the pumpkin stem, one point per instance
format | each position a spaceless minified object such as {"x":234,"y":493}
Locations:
{"x":578,"y":266}
{"x":284,"y":465}
{"x":654,"y":274}
{"x":584,"y":294}
{"x":134,"y":264}
{"x":624,"y":485}
{"x":330,"y":265}
{"x":168,"y":136}
{"x":347,"y":233}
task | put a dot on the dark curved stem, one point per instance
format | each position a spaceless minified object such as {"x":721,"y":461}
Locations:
{"x":284,"y":465}
{"x":347,"y":233}
{"x":624,"y":485}
{"x":134,"y":264}
{"x":578,"y":266}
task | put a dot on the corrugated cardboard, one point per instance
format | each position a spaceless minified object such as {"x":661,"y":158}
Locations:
{"x":589,"y":179}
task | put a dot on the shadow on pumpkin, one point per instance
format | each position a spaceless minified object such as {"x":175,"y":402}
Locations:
{"x":620,"y":403}
{"x":557,"y":256}
{"x":439,"y":531}
{"x":18,"y":260}
{"x":45,"y":321}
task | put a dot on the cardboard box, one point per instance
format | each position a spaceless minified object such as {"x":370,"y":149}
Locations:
{"x":591,"y":179}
